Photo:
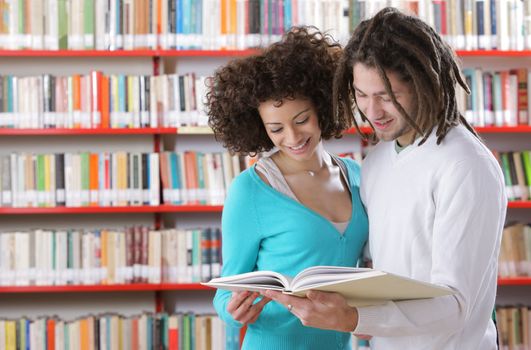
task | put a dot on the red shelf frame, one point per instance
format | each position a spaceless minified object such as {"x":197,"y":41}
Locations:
{"x":479,"y":129}
{"x":514,"y":281}
{"x":493,"y":53}
{"x":206,"y":53}
{"x":503,"y":129}
{"x":520,"y":205}
{"x":80,"y":131}
{"x":175,"y":131}
{"x":188,"y":208}
{"x":141,"y":287}
{"x":110,"y":210}
{"x":127,"y":53}
{"x":146,"y":287}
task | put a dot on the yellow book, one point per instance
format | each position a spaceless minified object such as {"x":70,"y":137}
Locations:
{"x":360,"y":286}
{"x":11,"y":335}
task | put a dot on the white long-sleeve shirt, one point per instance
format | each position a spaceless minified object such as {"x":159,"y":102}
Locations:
{"x":436,"y":214}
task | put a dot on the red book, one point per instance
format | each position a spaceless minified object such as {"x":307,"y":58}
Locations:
{"x":173,"y":333}
{"x":104,"y":102}
{"x":50,"y":333}
{"x":134,"y":331}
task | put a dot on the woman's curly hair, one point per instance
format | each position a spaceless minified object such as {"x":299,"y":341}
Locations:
{"x":301,"y":65}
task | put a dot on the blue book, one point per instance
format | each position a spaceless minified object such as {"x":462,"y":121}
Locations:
{"x":149,"y":332}
{"x":201,"y":187}
{"x":122,"y":98}
{"x":480,"y":23}
{"x":287,"y":15}
{"x":180,"y":23}
{"x":198,"y":23}
{"x":493,"y":28}
{"x":175,"y":177}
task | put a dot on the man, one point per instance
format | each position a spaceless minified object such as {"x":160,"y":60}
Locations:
{"x":433,"y":192}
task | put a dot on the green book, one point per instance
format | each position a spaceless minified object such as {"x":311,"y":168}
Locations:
{"x":88,"y":24}
{"x":41,"y":186}
{"x":526,"y":161}
{"x":63,"y":24}
{"x":85,"y":176}
{"x":507,"y":175}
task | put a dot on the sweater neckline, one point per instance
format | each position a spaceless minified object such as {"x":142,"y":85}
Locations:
{"x":354,"y":211}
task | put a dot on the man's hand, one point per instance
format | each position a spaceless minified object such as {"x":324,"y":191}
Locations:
{"x":319,"y":309}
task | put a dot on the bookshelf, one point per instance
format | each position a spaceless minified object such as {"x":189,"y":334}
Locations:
{"x":111,"y":210}
{"x":153,"y":62}
{"x":157,"y":137}
{"x":138,"y":287}
{"x":127,"y":53}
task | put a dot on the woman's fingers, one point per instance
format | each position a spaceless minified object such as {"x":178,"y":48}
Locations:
{"x":236,"y":300}
{"x":242,"y":309}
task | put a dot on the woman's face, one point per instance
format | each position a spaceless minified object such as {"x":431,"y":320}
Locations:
{"x":292,"y":126}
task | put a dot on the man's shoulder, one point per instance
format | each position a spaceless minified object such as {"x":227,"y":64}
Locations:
{"x":462,"y":144}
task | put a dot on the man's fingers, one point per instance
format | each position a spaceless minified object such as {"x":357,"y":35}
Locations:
{"x":364,"y":336}
{"x":328,"y":299}
{"x":283,"y":299}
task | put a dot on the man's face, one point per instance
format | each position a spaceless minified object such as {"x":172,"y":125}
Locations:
{"x":376,"y":104}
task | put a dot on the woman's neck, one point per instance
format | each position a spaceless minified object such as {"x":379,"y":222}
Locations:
{"x":319,"y":161}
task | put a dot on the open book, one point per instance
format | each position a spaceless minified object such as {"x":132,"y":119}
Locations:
{"x":360,"y":286}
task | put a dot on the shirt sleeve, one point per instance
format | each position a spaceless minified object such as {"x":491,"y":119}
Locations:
{"x":240,"y":239}
{"x":470,"y":210}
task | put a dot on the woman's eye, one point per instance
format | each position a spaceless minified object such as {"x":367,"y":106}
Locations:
{"x":274,"y":131}
{"x":303,"y":121}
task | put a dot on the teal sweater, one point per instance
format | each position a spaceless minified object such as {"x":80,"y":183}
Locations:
{"x":264,"y":229}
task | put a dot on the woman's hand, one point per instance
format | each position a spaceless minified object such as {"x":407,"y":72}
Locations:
{"x":243,"y":310}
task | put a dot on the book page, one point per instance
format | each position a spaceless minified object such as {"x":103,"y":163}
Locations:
{"x":264,"y":279}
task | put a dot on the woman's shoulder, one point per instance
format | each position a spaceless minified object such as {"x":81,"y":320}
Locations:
{"x":353,"y":169}
{"x":244,"y":181}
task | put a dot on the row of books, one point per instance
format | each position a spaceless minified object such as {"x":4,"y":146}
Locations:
{"x":92,"y":257}
{"x":116,"y":178}
{"x":197,"y":177}
{"x":178,"y":331}
{"x":514,"y":327}
{"x":465,"y":24}
{"x":515,"y":251}
{"x":516,"y":168}
{"x":80,"y":179}
{"x":96,"y":100}
{"x":134,"y":24}
{"x":209,"y":24}
{"x":497,"y":98}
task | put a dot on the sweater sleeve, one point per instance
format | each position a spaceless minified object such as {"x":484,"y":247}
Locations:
{"x":240,"y":238}
{"x":470,"y":207}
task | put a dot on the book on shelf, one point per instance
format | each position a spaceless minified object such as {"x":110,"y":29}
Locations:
{"x":515,"y":251}
{"x":514,"y":327}
{"x":94,"y":257}
{"x":360,"y":286}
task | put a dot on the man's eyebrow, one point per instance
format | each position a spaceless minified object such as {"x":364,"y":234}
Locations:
{"x":379,"y":93}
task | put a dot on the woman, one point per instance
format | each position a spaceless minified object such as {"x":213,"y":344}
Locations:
{"x":297,"y":207}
